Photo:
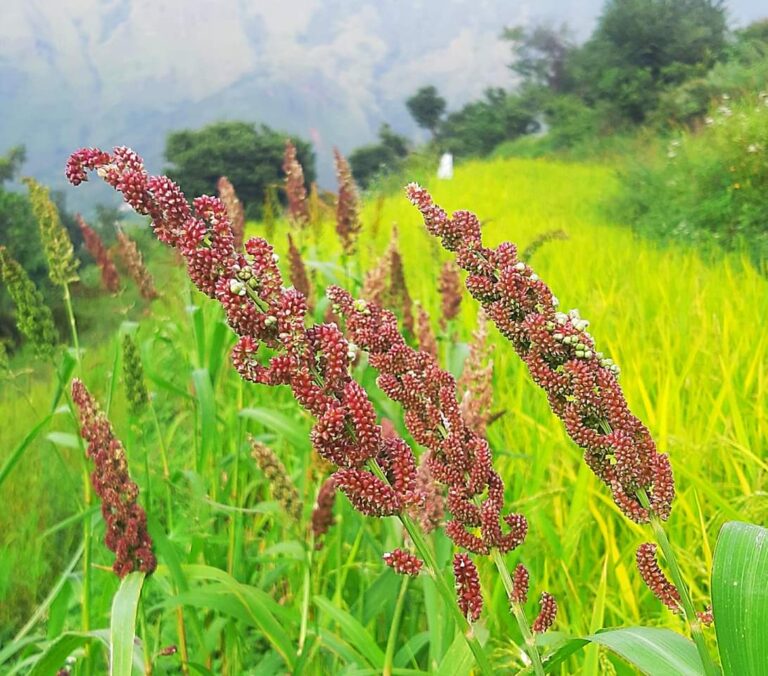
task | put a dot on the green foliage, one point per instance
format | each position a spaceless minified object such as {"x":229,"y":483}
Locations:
{"x":11,"y":162}
{"x":742,"y":71}
{"x":54,"y":237}
{"x":426,"y":107}
{"x":651,"y":650}
{"x":739,"y":598}
{"x":641,"y":47}
{"x":480,"y":126}
{"x":15,"y":219}
{"x":122,"y":628}
{"x":708,"y":186}
{"x":385,"y":157}
{"x":657,"y":62}
{"x":17,"y":216}
{"x":33,"y":316}
{"x":250,"y":156}
{"x":541,"y":55}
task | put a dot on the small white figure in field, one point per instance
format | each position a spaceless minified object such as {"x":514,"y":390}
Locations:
{"x":445,"y":168}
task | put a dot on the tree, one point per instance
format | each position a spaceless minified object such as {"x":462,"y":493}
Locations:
{"x":397,"y":144}
{"x":250,"y":156}
{"x":373,"y":160}
{"x":11,"y":163}
{"x":481,"y":125}
{"x":426,"y":107}
{"x":16,"y":231}
{"x":641,"y":47}
{"x":541,"y":55}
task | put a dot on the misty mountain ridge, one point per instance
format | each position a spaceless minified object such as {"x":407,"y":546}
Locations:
{"x":110,"y":72}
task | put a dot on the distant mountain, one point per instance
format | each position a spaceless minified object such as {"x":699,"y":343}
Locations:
{"x":107,"y":72}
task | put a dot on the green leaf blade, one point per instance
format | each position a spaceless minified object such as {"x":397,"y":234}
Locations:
{"x":740,"y":598}
{"x":352,"y":629}
{"x":656,"y":652}
{"x":122,"y":630}
{"x":653,"y":651}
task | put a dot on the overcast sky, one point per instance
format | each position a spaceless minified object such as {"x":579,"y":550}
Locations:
{"x":87,"y":72}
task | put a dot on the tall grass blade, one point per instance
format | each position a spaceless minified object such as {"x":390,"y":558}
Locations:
{"x":353,"y":630}
{"x":55,"y":654}
{"x":292,"y":430}
{"x":243,"y":602}
{"x":740,"y":598}
{"x":15,"y":455}
{"x":207,"y":408}
{"x":458,"y":659}
{"x":122,"y":630}
{"x":652,"y":651}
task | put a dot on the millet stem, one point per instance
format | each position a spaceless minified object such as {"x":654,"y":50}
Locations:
{"x":519,"y":613}
{"x":710,"y":668}
{"x":306,"y":592}
{"x":394,"y":628}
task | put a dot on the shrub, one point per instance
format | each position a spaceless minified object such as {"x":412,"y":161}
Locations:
{"x":709,"y":186}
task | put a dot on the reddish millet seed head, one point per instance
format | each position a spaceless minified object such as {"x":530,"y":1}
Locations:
{"x":126,"y":522}
{"x":298,"y":272}
{"x":376,"y":282}
{"x":235,"y":210}
{"x":476,"y":382}
{"x":520,"y":583}
{"x":706,"y":617}
{"x":424,"y":333}
{"x":403,"y":563}
{"x":450,"y":292}
{"x":468,"y":594}
{"x":129,"y":254}
{"x":322,"y":512}
{"x":546,"y":617}
{"x":561,"y":356}
{"x":110,"y":279}
{"x":399,"y":296}
{"x":655,"y":579}
{"x":295,"y":189}
{"x":347,"y":206}
{"x":430,"y":510}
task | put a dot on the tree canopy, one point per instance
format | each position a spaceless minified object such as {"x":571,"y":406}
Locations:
{"x":250,"y":155}
{"x":481,"y":125}
{"x":369,"y":161}
{"x":426,"y":107}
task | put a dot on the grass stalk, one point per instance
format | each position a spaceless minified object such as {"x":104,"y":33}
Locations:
{"x":710,"y":668}
{"x":517,"y":610}
{"x":87,"y":495}
{"x":72,"y":324}
{"x":144,"y":643}
{"x":306,"y":593}
{"x":394,"y":628}
{"x":182,"y":634}
{"x":426,"y":555}
{"x":420,"y":543}
{"x":164,"y":459}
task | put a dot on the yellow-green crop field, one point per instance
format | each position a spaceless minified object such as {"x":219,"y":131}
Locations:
{"x":687,"y":330}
